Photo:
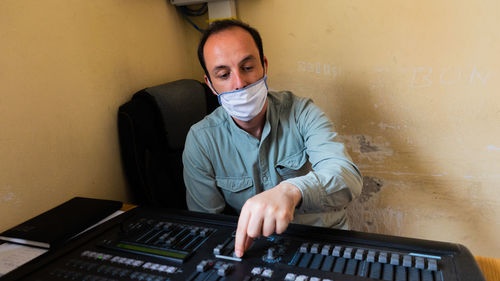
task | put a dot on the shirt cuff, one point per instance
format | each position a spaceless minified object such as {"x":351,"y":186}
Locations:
{"x":311,"y":194}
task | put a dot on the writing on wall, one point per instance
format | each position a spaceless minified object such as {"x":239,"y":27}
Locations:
{"x":416,"y":77}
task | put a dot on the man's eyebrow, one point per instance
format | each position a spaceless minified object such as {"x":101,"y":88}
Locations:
{"x":247,"y":58}
{"x":221,"y":67}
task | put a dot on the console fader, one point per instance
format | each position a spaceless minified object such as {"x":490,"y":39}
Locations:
{"x":161,"y":245}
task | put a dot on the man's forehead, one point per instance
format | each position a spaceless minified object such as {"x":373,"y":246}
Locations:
{"x":230,"y":40}
{"x":233,"y":31}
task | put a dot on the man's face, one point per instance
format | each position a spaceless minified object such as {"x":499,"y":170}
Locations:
{"x":232,"y":60}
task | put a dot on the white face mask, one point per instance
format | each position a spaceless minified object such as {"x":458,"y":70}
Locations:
{"x":244,"y":104}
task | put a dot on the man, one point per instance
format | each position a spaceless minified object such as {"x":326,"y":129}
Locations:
{"x":272,"y":156}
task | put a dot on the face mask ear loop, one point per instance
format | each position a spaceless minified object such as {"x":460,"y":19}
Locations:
{"x":265,"y":77}
{"x":213,"y":90}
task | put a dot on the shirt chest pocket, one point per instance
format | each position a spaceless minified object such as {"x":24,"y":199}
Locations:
{"x":294,"y":165}
{"x":235,"y":190}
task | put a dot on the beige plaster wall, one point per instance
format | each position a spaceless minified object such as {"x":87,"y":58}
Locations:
{"x":65,"y":67}
{"x":413,"y":87}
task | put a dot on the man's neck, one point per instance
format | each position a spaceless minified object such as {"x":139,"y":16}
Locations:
{"x":255,"y":126}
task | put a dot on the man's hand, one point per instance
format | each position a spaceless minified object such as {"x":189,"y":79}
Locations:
{"x":265,"y":213}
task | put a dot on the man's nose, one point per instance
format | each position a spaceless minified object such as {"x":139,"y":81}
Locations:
{"x":239,"y":81}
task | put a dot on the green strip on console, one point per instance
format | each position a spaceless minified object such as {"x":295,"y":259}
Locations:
{"x":151,"y":251}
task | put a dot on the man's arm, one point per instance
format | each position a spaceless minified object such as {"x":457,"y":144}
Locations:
{"x":334,"y":180}
{"x":333,"y":183}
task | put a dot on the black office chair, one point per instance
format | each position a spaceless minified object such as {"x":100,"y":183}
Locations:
{"x":152,"y":129}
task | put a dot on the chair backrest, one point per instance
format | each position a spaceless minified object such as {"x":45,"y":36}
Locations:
{"x":152,"y":128}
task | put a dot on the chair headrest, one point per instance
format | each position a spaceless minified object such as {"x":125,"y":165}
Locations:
{"x":182,"y":103}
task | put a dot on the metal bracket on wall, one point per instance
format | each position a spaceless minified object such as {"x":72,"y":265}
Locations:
{"x":217,"y":9}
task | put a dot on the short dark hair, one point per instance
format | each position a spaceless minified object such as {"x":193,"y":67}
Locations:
{"x":221,"y":25}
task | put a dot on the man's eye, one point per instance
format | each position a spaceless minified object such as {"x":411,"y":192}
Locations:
{"x":247,"y":68}
{"x":223,"y":76}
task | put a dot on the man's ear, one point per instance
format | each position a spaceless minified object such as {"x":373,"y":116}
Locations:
{"x":207,"y":81}
{"x":265,"y":65}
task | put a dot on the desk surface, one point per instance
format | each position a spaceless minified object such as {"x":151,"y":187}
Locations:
{"x":489,"y":266}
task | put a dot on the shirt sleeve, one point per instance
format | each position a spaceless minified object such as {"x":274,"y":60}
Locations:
{"x":334,"y":180}
{"x":199,"y":178}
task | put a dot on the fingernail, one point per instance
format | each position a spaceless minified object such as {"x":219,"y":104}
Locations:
{"x":238,"y":253}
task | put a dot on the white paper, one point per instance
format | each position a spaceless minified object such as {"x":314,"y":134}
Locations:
{"x":14,"y":255}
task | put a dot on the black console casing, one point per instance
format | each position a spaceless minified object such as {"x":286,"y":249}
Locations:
{"x":160,"y":244}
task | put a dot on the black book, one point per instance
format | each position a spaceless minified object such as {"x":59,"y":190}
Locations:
{"x":58,"y":225}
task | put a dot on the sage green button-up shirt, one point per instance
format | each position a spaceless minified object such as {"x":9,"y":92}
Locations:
{"x":223,"y":164}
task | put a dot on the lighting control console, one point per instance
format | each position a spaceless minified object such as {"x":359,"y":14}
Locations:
{"x":160,"y":245}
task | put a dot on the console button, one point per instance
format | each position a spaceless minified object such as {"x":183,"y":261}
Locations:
{"x":337,"y":251}
{"x":304,"y":248}
{"x":348,"y":253}
{"x":419,"y":263}
{"x":395,"y":259}
{"x":432,"y":264}
{"x":407,"y":261}
{"x":326,"y":250}
{"x":360,"y":254}
{"x":371,"y":256}
{"x":315,"y":248}
{"x":267,"y":273}
{"x":382,"y":257}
